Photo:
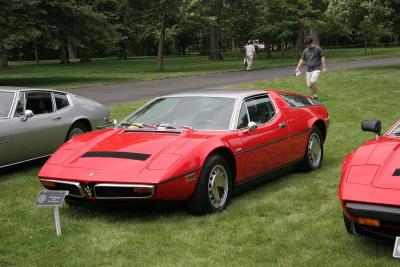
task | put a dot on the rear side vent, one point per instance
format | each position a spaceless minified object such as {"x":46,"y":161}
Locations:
{"x":396,"y":172}
{"x":119,"y":155}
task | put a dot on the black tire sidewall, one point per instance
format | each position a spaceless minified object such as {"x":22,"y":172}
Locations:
{"x":307,"y":166}
{"x":200,"y":202}
{"x":77,"y":125}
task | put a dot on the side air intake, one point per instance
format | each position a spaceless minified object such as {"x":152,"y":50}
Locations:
{"x":396,"y":172}
{"x":119,"y":155}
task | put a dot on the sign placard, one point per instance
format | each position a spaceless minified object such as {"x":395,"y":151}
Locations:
{"x":51,"y":198}
{"x":396,"y":250}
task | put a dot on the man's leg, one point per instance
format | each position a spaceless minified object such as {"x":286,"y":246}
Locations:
{"x":313,"y":83}
{"x":249,"y":62}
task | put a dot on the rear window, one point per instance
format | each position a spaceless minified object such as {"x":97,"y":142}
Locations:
{"x":61,"y":100}
{"x":296,"y":101}
{"x":6,"y":99}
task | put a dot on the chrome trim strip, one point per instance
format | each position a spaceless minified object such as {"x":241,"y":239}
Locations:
{"x":179,"y":176}
{"x":272,"y":142}
{"x":11,"y":164}
{"x":78,"y":185}
{"x":125,"y":185}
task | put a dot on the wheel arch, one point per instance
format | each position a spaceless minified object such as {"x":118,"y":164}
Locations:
{"x":227,"y":154}
{"x":86,"y":121}
{"x":320,"y":125}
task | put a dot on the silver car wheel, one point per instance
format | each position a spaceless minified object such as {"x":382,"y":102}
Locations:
{"x":74,"y":132}
{"x":314,"y":150}
{"x":218,"y":186}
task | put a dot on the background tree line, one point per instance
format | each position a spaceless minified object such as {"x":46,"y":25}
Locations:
{"x":82,"y":29}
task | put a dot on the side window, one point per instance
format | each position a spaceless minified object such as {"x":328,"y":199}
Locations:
{"x":61,"y":100}
{"x":243,"y":120}
{"x":39,"y":102}
{"x":261,"y":109}
{"x":296,"y":101}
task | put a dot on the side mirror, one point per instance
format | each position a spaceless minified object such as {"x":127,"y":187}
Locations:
{"x":27,"y":114}
{"x":371,"y":126}
{"x":252,"y":126}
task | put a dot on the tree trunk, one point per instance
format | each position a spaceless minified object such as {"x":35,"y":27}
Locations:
{"x":84,"y":55}
{"x":215,"y":53}
{"x":35,"y":50}
{"x":63,"y":54}
{"x":268,"y":48}
{"x":160,"y":53}
{"x":282,"y":50}
{"x":365,"y":47}
{"x":3,"y":57}
{"x":71,"y":51}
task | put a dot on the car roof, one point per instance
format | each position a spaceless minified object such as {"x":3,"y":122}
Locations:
{"x":15,"y":89}
{"x":229,"y":93}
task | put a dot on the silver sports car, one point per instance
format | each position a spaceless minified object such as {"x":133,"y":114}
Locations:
{"x":35,"y":122}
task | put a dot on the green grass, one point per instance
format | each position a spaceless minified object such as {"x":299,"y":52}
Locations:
{"x":50,"y":74}
{"x":293,"y":221}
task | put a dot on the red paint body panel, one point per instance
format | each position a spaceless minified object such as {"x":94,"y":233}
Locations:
{"x":178,"y":154}
{"x":368,"y":174}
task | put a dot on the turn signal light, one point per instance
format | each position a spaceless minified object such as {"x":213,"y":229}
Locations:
{"x":48,"y":184}
{"x":370,"y":222}
{"x":142,"y":190}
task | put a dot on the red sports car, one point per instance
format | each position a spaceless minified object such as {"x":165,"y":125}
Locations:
{"x":196,"y":147}
{"x":370,"y":183}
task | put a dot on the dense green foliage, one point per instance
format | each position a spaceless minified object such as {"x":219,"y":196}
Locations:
{"x":69,"y":29}
{"x":293,"y":221}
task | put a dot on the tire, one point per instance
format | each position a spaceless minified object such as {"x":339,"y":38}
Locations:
{"x":314,"y":153}
{"x":349,"y":224}
{"x":77,"y":128}
{"x":214,"y":188}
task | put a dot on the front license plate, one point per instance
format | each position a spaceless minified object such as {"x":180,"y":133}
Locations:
{"x":396,"y":249}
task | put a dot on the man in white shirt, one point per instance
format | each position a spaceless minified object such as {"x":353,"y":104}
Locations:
{"x":250,"y":54}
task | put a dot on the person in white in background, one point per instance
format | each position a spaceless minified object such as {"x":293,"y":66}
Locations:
{"x":250,"y":54}
{"x":315,"y":60}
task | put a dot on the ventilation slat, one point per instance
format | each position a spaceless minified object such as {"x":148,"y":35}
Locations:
{"x":396,"y":172}
{"x":120,"y":155}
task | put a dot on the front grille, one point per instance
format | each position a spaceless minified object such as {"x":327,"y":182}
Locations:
{"x":120,"y":155}
{"x":72,"y":188}
{"x":396,"y":172}
{"x":116,"y":191}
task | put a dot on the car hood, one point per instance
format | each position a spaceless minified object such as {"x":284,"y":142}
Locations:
{"x":125,"y":149}
{"x":385,"y":155}
{"x":120,"y":155}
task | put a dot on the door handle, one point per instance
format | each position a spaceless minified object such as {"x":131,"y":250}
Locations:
{"x":282,"y":125}
{"x":57,"y":118}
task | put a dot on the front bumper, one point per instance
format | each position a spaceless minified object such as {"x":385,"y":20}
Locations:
{"x":106,"y":191}
{"x":388,"y":216}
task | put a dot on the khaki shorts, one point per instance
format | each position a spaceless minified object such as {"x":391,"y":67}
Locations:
{"x":312,"y":77}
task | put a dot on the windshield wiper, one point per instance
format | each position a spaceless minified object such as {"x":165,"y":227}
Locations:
{"x":174,"y":126}
{"x":138,"y":125}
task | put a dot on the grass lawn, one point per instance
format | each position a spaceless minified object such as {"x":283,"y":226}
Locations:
{"x":293,"y":221}
{"x":51,"y":74}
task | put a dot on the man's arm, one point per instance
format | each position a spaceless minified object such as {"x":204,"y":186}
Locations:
{"x":301,"y":61}
{"x":323,"y":63}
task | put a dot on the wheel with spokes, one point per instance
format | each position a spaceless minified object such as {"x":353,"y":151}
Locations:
{"x":76,"y":129}
{"x":214,"y":187}
{"x":314,"y":151}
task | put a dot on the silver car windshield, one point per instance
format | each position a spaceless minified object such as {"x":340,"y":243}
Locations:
{"x":196,"y":112}
{"x":395,"y":131}
{"x":6,"y":100}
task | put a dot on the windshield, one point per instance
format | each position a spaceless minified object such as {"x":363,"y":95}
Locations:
{"x":6,"y":100}
{"x":396,"y":130}
{"x":202,"y":113}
